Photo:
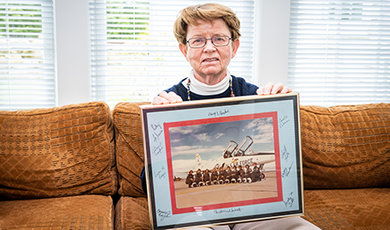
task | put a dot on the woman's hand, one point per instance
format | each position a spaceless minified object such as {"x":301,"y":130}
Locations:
{"x":166,"y":98}
{"x":271,"y":89}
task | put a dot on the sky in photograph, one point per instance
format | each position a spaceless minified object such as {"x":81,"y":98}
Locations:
{"x":210,"y":140}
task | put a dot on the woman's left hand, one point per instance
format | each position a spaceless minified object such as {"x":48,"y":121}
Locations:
{"x":271,"y":89}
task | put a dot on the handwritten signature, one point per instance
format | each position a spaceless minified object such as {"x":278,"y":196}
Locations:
{"x":157,"y":149}
{"x":230,"y":210}
{"x":160,"y":174}
{"x":156,"y":126}
{"x":163,"y":214}
{"x":218,"y":113}
{"x":290,"y":200}
{"x":156,"y":134}
{"x":286,"y":171}
{"x":156,"y":131}
{"x":285,"y":153}
{"x":283,"y":121}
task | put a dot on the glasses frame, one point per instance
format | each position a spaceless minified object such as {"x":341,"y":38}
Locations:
{"x":206,"y":39}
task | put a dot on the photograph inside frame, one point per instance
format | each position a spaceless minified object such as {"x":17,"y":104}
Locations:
{"x":220,"y":162}
{"x":208,"y":160}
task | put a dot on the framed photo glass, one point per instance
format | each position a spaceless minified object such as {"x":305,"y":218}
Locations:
{"x":223,"y":161}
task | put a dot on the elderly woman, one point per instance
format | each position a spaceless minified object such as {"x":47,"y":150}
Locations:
{"x":208,"y":37}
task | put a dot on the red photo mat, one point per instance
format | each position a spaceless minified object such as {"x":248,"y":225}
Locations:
{"x":227,"y":204}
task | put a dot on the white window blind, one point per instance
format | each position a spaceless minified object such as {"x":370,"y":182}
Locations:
{"x":134,"y":54}
{"x":27,"y":63}
{"x":339,"y":51}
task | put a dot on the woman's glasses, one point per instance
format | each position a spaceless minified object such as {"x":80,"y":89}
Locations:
{"x":216,"y":41}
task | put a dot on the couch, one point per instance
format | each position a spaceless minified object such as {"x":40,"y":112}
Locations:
{"x":77,"y":167}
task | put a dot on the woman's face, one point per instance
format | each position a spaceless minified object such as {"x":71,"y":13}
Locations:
{"x":209,"y":62}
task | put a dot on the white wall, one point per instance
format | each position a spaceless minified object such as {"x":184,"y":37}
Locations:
{"x":72,"y":41}
{"x":272,"y":41}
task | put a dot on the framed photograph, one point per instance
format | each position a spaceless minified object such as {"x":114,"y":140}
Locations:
{"x":223,"y":161}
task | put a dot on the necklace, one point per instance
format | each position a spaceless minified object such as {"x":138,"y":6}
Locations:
{"x":189,"y":91}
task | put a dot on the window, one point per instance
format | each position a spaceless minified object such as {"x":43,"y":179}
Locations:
{"x":27,"y":63}
{"x":339,"y":51}
{"x":134,"y":54}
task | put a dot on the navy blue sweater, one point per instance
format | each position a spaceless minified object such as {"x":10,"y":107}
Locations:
{"x":239,"y":85}
{"x":240,"y":88}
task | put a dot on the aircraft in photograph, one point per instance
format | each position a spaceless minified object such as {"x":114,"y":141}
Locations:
{"x":235,"y":155}
{"x":236,"y":164}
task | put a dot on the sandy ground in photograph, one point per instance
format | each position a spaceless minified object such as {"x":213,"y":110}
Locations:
{"x":222,"y":193}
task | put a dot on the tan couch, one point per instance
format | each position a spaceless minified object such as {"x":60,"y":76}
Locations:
{"x":57,"y":168}
{"x":78,"y":166}
{"x":346,"y":166}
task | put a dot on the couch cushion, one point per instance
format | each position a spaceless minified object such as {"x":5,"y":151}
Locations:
{"x":129,"y":147}
{"x":348,"y":208}
{"x":132,"y":213}
{"x":58,"y":151}
{"x":77,"y":212}
{"x":346,"y":146}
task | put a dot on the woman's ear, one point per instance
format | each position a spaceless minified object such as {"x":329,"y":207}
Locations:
{"x":183,"y":49}
{"x":235,"y":45}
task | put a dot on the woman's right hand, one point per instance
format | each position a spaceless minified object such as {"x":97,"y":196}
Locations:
{"x":166,"y":98}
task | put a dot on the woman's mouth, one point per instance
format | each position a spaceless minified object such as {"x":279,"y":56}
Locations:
{"x":210,"y":59}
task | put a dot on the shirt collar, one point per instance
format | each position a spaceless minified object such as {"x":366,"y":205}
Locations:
{"x":200,"y":88}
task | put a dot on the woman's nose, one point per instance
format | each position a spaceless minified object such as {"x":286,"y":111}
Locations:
{"x":209,"y":46}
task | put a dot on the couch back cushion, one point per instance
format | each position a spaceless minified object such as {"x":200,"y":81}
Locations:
{"x":346,"y":146}
{"x":129,"y":147}
{"x":58,"y":151}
